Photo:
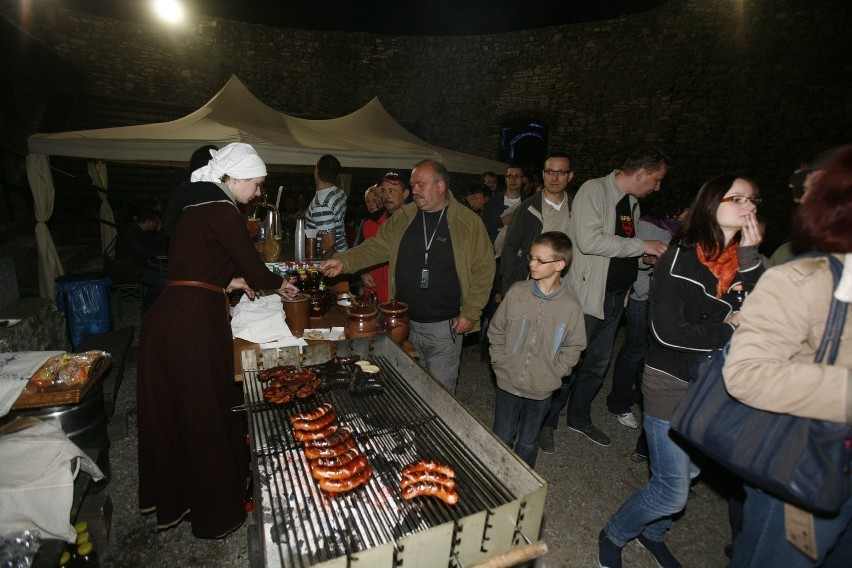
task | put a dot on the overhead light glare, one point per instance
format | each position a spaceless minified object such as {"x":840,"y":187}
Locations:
{"x":169,"y":10}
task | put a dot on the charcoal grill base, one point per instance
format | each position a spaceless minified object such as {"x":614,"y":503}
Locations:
{"x":501,"y":501}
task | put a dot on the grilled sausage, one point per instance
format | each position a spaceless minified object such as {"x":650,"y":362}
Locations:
{"x":341,"y":472}
{"x":433,"y":476}
{"x":345,"y":360}
{"x":429,"y":465}
{"x":337,"y":461}
{"x":448,"y":496}
{"x":314,"y":414}
{"x":346,"y":484}
{"x":318,"y":424}
{"x":342,"y":435}
{"x":306,"y":436}
{"x":274,"y":372}
{"x":313,"y":453}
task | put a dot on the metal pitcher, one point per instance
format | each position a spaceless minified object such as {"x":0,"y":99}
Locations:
{"x":299,"y":241}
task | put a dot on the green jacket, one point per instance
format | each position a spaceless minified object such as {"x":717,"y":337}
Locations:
{"x":472,"y":252}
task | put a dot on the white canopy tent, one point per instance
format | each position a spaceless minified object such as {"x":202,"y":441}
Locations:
{"x":366,"y":138}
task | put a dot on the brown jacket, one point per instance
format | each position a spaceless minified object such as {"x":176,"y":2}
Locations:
{"x":771,"y":362}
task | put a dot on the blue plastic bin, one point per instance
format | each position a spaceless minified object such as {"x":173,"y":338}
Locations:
{"x":84,"y":299}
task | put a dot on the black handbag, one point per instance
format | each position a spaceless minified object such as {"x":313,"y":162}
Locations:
{"x":799,"y":460}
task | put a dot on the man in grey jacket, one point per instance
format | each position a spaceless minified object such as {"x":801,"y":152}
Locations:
{"x":606,"y":260}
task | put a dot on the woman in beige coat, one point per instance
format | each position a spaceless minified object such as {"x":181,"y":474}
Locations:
{"x":771,"y":366}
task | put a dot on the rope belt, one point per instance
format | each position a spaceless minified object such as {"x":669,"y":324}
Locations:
{"x":205,"y":285}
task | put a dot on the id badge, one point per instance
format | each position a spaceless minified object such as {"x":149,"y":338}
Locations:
{"x":424,"y":278}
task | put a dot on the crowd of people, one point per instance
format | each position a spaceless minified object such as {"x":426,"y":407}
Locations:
{"x":545,"y":275}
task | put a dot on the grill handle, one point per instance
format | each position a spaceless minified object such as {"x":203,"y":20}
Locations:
{"x":519,"y":555}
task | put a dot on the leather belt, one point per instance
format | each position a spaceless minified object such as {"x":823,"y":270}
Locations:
{"x":205,"y":285}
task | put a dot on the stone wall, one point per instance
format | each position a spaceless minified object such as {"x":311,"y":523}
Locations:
{"x":724,"y":84}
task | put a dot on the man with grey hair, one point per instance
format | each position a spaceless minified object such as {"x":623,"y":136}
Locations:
{"x":440,"y":263}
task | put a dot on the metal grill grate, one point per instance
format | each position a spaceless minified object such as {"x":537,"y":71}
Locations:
{"x":392,"y":429}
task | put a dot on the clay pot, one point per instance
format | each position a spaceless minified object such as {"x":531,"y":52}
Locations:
{"x":394,"y":320}
{"x":361,"y":322}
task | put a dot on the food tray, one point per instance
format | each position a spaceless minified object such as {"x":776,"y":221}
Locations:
{"x":57,"y":396}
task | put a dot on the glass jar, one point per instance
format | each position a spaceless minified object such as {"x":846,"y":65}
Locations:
{"x":394,"y":320}
{"x":361,"y":322}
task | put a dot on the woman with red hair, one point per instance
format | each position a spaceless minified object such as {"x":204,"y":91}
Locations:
{"x":771,"y":366}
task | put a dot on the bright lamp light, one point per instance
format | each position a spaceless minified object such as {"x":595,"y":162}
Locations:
{"x":169,"y":10}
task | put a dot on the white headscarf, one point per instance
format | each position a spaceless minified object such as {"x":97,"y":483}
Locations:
{"x":237,"y":160}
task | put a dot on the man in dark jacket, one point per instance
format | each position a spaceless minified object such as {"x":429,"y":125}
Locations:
{"x":549,"y":210}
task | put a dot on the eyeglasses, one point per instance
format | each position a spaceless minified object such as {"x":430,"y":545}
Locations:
{"x":557,"y":173}
{"x":741,"y":199}
{"x":534,"y":260}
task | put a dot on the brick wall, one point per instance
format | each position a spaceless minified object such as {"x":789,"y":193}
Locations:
{"x":723,"y":84}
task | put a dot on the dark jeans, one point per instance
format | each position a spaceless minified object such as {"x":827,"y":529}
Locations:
{"x":525,"y":415}
{"x":762,"y":542}
{"x":630,"y":361}
{"x":590,"y":373}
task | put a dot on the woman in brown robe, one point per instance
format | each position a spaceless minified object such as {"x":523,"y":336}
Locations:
{"x":192,"y":456}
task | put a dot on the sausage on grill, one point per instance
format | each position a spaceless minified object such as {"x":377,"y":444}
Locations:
{"x":337,"y":461}
{"x":346,"y":484}
{"x":448,"y":496}
{"x":430,"y":466}
{"x":342,"y":435}
{"x":307,"y":436}
{"x":314,"y":414}
{"x":433,"y":476}
{"x":345,"y":360}
{"x":315,"y":453}
{"x":341,"y":472}
{"x":318,"y":424}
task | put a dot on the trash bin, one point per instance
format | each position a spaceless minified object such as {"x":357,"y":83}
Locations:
{"x":84,"y":299}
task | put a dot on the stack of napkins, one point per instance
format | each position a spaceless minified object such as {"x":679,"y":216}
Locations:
{"x":262,"y":321}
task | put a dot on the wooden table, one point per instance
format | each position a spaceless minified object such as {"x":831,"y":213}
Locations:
{"x":332,"y":318}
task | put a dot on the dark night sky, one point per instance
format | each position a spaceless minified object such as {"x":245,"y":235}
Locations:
{"x":421,"y":17}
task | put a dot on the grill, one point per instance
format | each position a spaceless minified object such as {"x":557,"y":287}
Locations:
{"x":500,"y":500}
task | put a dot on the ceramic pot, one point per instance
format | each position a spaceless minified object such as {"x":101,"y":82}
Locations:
{"x":361,"y":322}
{"x":394,"y":320}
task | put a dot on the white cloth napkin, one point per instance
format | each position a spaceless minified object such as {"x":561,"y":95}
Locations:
{"x":16,"y":370}
{"x":260,"y":320}
{"x":37,"y":470}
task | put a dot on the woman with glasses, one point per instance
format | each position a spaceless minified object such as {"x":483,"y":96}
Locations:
{"x":693,"y":309}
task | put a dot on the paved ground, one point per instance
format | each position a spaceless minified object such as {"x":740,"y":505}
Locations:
{"x":586,"y":484}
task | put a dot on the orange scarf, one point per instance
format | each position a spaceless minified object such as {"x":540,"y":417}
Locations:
{"x":724,"y":268}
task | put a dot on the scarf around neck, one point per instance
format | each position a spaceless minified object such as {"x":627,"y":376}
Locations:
{"x":724,"y":268}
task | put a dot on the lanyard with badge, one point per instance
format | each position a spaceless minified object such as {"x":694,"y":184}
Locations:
{"x":427,"y":242}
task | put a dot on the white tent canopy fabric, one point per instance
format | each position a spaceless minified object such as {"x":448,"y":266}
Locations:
{"x":367,"y":138}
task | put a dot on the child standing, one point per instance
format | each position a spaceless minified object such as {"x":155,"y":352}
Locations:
{"x":536,"y":335}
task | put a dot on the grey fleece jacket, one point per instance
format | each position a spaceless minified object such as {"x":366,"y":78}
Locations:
{"x":535,"y":339}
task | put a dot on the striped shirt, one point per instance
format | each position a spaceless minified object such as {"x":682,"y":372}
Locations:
{"x":325,"y":214}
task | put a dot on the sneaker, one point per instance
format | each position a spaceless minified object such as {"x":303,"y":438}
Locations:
{"x":592,"y":434}
{"x":609,"y":554}
{"x":627,"y":419}
{"x":545,"y":441}
{"x":660,"y":552}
